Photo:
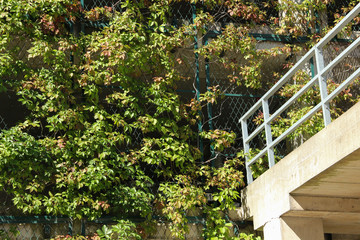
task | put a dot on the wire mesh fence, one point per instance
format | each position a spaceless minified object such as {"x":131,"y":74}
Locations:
{"x":59,"y":228}
{"x":199,"y":75}
{"x":338,"y":8}
{"x":237,"y":101}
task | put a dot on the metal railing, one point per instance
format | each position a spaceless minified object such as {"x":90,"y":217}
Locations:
{"x":316,"y":53}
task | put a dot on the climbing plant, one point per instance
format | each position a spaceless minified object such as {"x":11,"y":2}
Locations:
{"x":90,"y":95}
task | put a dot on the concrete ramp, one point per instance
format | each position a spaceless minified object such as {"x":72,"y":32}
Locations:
{"x":312,"y":191}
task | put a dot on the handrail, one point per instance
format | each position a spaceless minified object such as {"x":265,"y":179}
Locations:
{"x":320,"y":78}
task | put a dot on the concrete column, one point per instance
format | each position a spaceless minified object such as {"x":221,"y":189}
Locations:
{"x":294,"y":228}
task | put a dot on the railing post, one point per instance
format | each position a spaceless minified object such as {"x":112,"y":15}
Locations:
{"x":322,"y":85}
{"x":245,"y":135}
{"x":268,"y":135}
{"x":316,"y":53}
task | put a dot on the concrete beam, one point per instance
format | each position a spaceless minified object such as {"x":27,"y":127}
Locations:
{"x":339,"y":215}
{"x":324,"y":204}
{"x":292,"y":228}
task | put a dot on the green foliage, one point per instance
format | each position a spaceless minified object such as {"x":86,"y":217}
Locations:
{"x":88,"y":97}
{"x":249,"y":237}
{"x":124,"y":229}
{"x":8,"y":235}
{"x":76,"y":153}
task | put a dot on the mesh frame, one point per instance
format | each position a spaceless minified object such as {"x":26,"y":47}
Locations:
{"x":224,"y":115}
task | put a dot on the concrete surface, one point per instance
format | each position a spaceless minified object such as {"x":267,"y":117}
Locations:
{"x":319,"y":180}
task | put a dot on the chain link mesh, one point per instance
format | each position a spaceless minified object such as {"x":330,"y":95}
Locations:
{"x":337,"y":8}
{"x":42,"y":228}
{"x":33,"y":228}
{"x":224,"y":115}
{"x":12,"y":111}
{"x":91,"y":4}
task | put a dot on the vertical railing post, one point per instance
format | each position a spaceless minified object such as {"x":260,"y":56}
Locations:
{"x":322,"y":85}
{"x":268,"y":135}
{"x":245,"y":135}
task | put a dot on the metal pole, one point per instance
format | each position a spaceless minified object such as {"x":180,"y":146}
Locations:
{"x":197,"y":80}
{"x":322,"y":85}
{"x":83,"y":227}
{"x":209,"y":105}
{"x":72,"y":32}
{"x":245,"y":135}
{"x":268,"y":135}
{"x":70,"y":232}
{"x":82,"y":22}
{"x":312,"y":68}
